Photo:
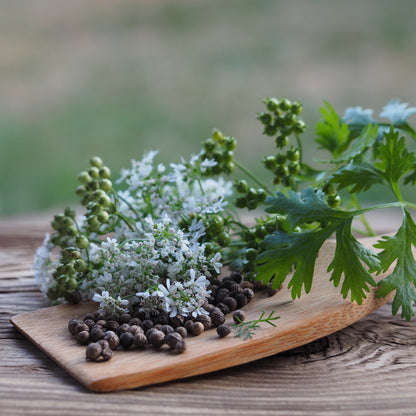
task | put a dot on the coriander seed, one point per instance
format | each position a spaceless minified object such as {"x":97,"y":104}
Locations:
{"x":197,"y":328}
{"x":239,"y":316}
{"x":223,"y":330}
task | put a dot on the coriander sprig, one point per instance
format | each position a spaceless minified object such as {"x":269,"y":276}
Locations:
{"x":247,"y":329}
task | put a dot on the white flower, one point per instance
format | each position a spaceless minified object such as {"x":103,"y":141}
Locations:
{"x":109,"y":304}
{"x":215,"y":263}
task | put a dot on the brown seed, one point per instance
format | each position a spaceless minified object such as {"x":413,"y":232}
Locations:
{"x":112,"y":325}
{"x":172,"y":339}
{"x":135,"y":329}
{"x":101,"y":322}
{"x":135,"y":321}
{"x":96,"y":333}
{"x":89,"y":322}
{"x":241,"y":300}
{"x":205,"y":320}
{"x":221,"y":295}
{"x":93,"y":351}
{"x":107,"y":354}
{"x":223,"y":308}
{"x":126,"y":340}
{"x":236,"y":277}
{"x":139,"y":340}
{"x":123,"y":328}
{"x":98,"y":316}
{"x":231,"y":303}
{"x":270,"y":290}
{"x":83,"y":337}
{"x":157,"y":338}
{"x":88,"y":316}
{"x":176,"y":321}
{"x":72,"y":325}
{"x":223,"y":331}
{"x":180,"y":347}
{"x":249,"y":293}
{"x":182,"y":331}
{"x":166,"y":329}
{"x":187,"y":325}
{"x":112,"y":339}
{"x":239,"y":316}
{"x":247,"y":285}
{"x":124,"y":318}
{"x":197,"y":328}
{"x":81,"y":327}
{"x":147,"y":324}
{"x":217,"y":317}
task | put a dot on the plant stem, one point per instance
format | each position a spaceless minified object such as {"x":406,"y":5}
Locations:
{"x":253,"y":177}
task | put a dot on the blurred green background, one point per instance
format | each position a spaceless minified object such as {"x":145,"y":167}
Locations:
{"x":116,"y":78}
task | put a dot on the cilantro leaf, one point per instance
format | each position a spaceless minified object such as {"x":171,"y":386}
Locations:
{"x":333,"y":134}
{"x":365,"y":140}
{"x":304,"y":207}
{"x":395,"y":159}
{"x":360,"y":175}
{"x":403,"y":277}
{"x":281,"y":251}
{"x":348,"y":258}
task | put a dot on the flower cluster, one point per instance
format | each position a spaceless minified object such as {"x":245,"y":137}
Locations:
{"x":151,"y":247}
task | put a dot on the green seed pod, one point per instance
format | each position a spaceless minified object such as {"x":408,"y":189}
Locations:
{"x":261,"y":195}
{"x":105,"y":172}
{"x":71,"y":284}
{"x":269,"y":162}
{"x":82,"y":241}
{"x":265,"y":118}
{"x":80,"y":265}
{"x":285,"y":104}
{"x":296,"y":108}
{"x":299,"y":127}
{"x":230,"y":143}
{"x":96,"y":162}
{"x":84,"y":177}
{"x":270,"y":130}
{"x":80,"y":191}
{"x":293,"y":154}
{"x":241,"y":186}
{"x":209,"y":144}
{"x":282,"y":141}
{"x":217,"y":136}
{"x":251,"y":254}
{"x":294,"y":168}
{"x":334,"y":201}
{"x":272,"y":104}
{"x":281,"y":171}
{"x":106,"y":185}
{"x":288,"y":181}
{"x":93,"y":223}
{"x":69,"y":212}
{"x":104,"y":201}
{"x":224,"y":239}
{"x":94,"y":172}
{"x":103,"y":217}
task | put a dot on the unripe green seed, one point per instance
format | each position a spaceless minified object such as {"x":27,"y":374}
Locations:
{"x":285,"y":104}
{"x":84,"y":177}
{"x":69,"y":212}
{"x":96,"y":162}
{"x":104,"y":201}
{"x":293,"y":154}
{"x":103,"y":216}
{"x":242,"y":186}
{"x":294,"y":168}
{"x":251,"y":254}
{"x":265,"y":118}
{"x":217,"y":135}
{"x":282,"y":141}
{"x":334,"y":201}
{"x":80,"y":265}
{"x":94,"y":172}
{"x":105,"y":172}
{"x":106,"y":185}
{"x":82,"y":241}
{"x":269,"y":162}
{"x":72,"y":284}
{"x":272,"y":104}
{"x":209,"y":144}
{"x":80,"y":191}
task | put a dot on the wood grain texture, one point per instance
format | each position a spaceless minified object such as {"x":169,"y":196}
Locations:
{"x":368,"y":368}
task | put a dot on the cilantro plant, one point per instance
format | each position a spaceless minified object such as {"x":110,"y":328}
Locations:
{"x":159,"y":240}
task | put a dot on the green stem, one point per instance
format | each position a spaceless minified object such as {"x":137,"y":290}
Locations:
{"x":253,"y":177}
{"x":370,"y":232}
{"x":125,"y":219}
{"x":299,"y":143}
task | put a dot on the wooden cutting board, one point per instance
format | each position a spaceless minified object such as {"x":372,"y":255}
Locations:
{"x":315,"y":315}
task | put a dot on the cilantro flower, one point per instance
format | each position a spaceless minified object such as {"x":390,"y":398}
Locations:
{"x":109,"y":304}
{"x":397,"y":112}
{"x":356,"y":115}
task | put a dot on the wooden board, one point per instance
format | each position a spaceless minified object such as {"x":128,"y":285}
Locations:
{"x":315,"y":315}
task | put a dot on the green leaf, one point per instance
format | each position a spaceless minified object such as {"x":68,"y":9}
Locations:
{"x":359,"y":145}
{"x":403,"y":277}
{"x":284,"y":251}
{"x":395,"y":159}
{"x":305,"y":207}
{"x":333,"y":134}
{"x":347,"y":261}
{"x":361,"y":176}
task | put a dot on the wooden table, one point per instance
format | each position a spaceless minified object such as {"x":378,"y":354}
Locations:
{"x":368,"y":368}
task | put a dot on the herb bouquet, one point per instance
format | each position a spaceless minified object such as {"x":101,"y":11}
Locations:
{"x":157,"y":238}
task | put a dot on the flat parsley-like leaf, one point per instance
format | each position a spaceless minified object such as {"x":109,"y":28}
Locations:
{"x":395,"y":159}
{"x":403,"y":277}
{"x":333,"y":134}
{"x":359,"y":175}
{"x":299,"y":250}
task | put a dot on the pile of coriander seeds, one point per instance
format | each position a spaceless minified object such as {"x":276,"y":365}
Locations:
{"x":154,"y":328}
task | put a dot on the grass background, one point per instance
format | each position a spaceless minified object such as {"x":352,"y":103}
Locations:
{"x":116,"y":78}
